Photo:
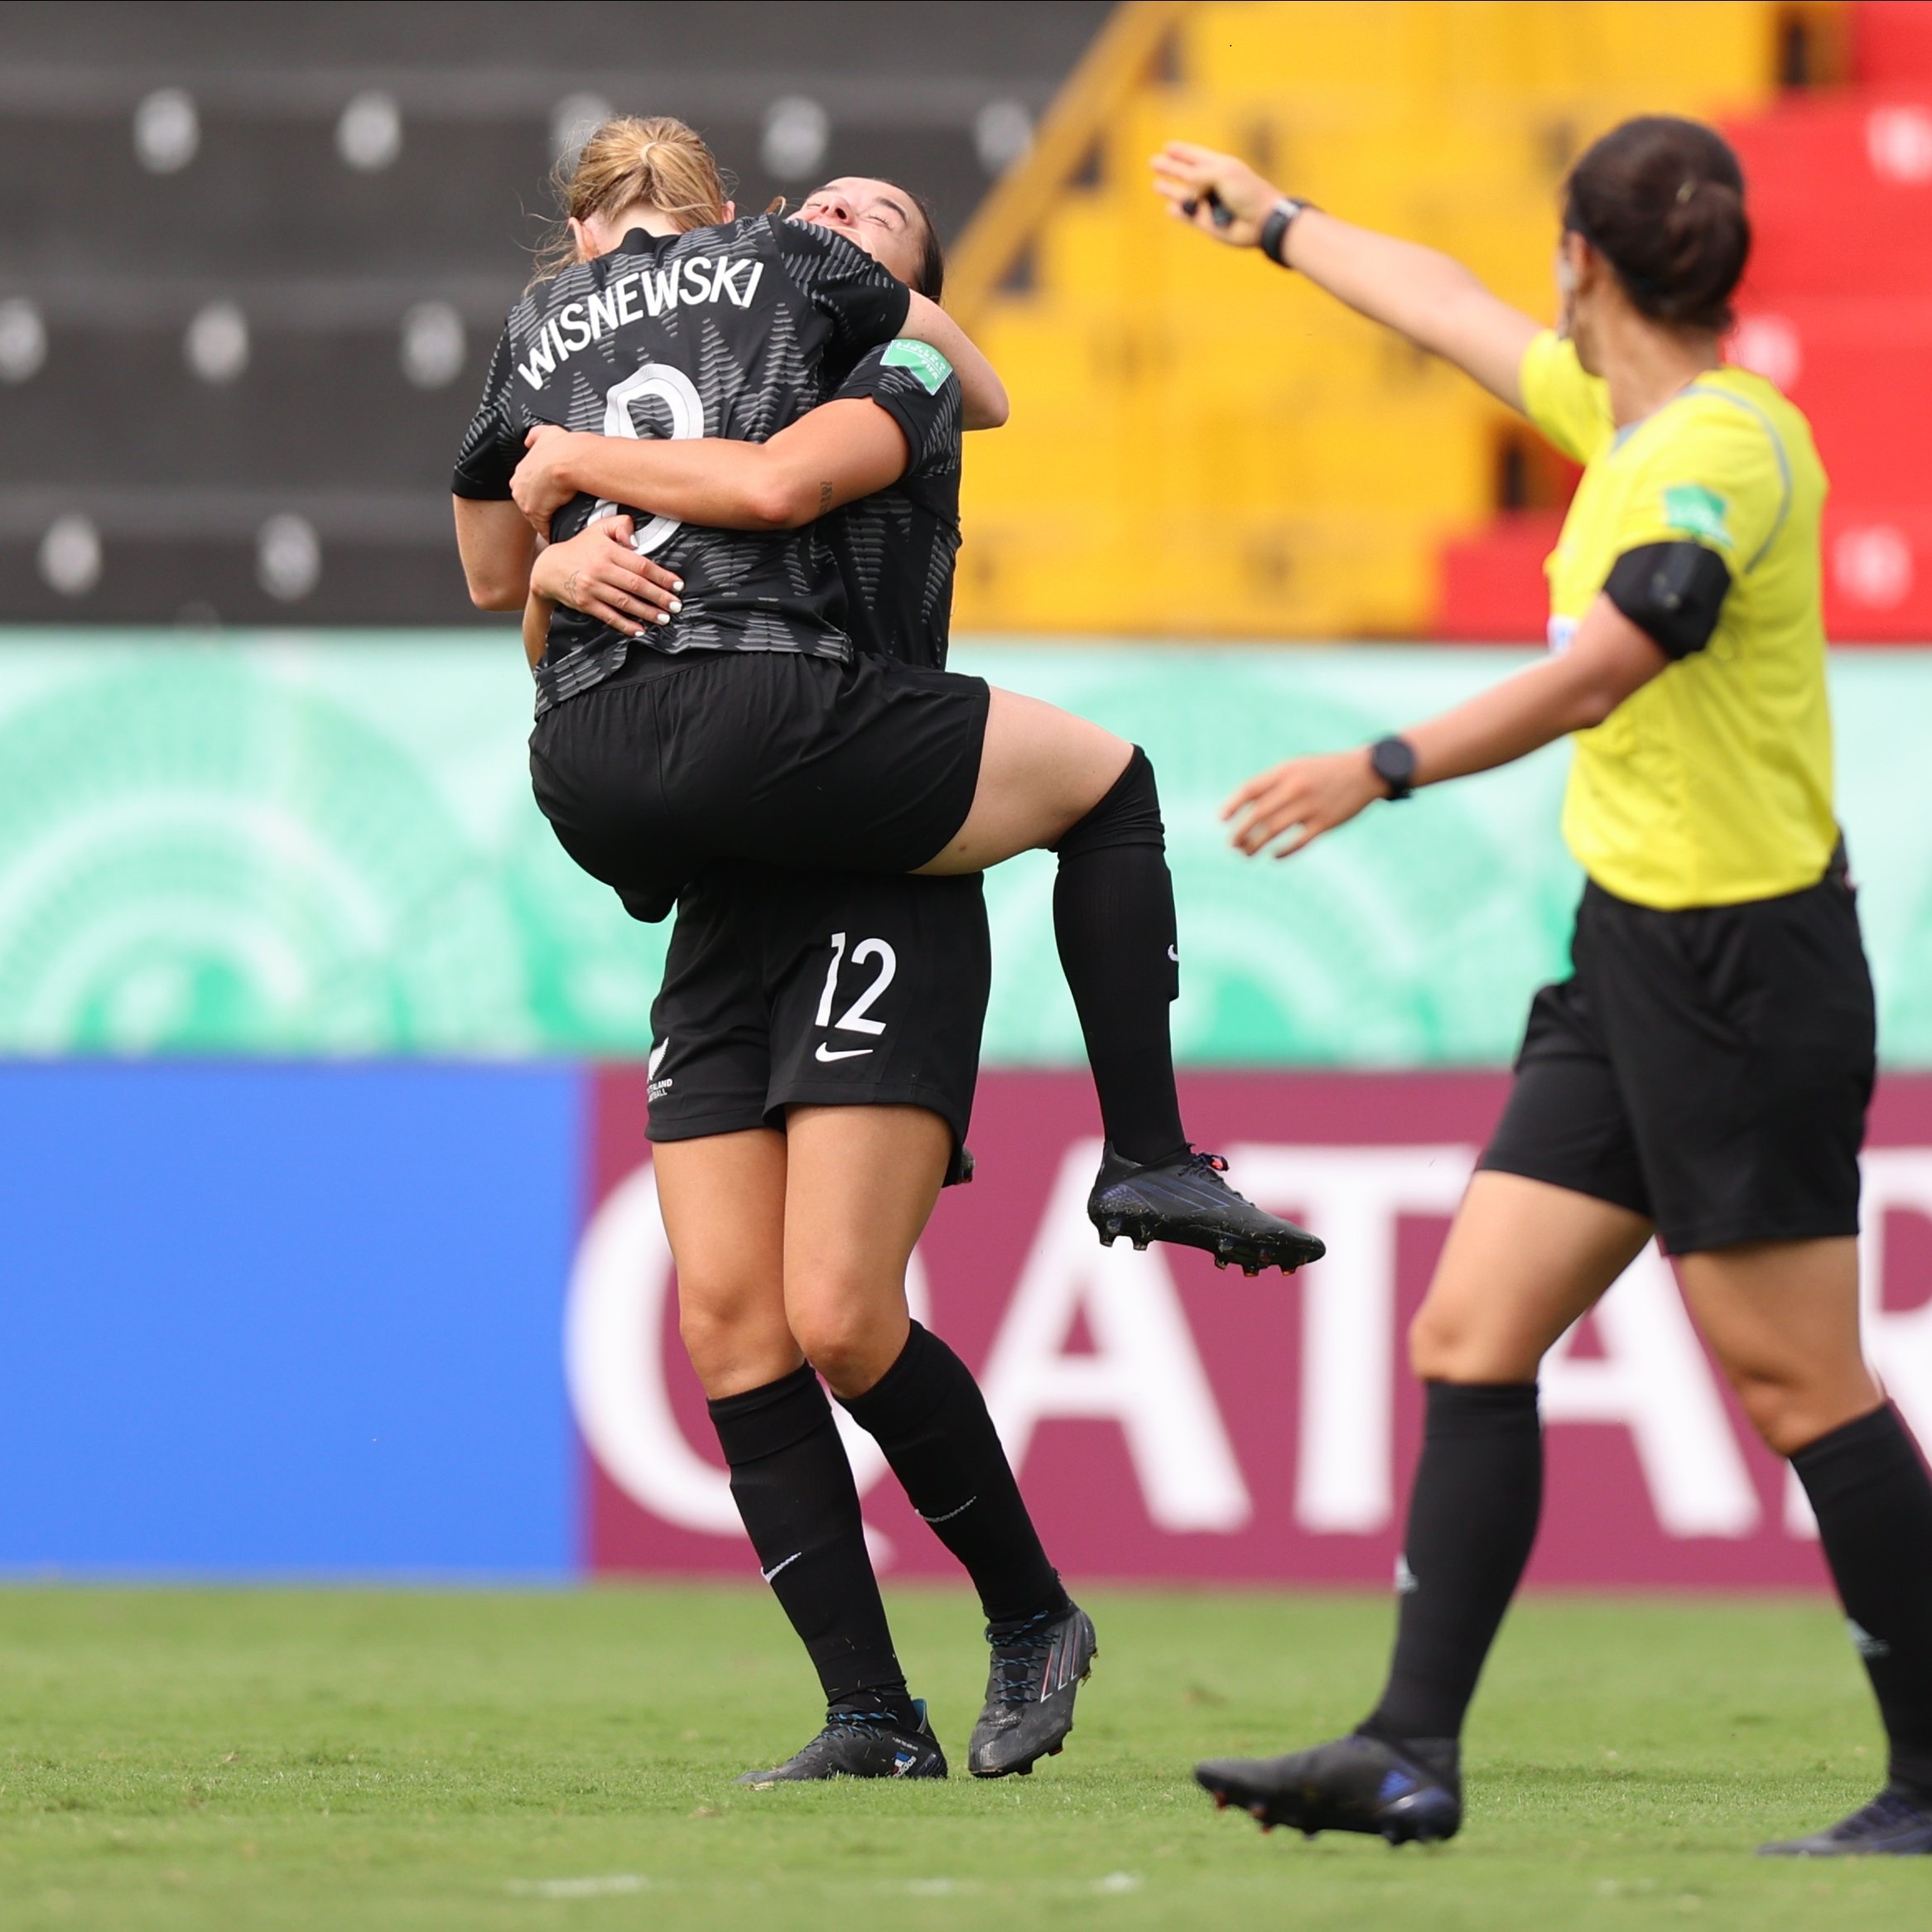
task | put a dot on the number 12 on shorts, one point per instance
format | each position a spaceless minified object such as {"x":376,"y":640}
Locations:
{"x":853,"y":1020}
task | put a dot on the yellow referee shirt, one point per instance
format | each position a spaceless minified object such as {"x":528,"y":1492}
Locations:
{"x":1713,"y":784}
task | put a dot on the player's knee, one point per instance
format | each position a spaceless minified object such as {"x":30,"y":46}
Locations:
{"x":1437,"y":1345}
{"x":1446,"y":1345}
{"x":848,"y":1338}
{"x":1127,"y":813}
{"x":1784,"y":1408}
{"x":726,"y":1333}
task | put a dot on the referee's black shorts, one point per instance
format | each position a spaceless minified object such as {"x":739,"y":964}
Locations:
{"x":1708,"y":1068}
{"x":765,"y":756}
{"x":795,"y":989}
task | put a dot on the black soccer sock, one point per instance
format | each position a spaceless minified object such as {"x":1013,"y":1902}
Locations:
{"x":1873,"y":1502}
{"x":794,"y":1487}
{"x":1472,"y":1520}
{"x":926,"y":1412}
{"x":1113,"y":919}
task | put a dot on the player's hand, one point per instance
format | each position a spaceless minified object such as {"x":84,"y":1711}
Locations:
{"x":597,"y":572}
{"x":1305,"y":798}
{"x":535,"y":484}
{"x":1183,"y":174}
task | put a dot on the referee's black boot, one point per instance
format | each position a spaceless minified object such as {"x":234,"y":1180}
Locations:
{"x":1039,"y":1665}
{"x":860,"y":1744}
{"x":1408,"y":1794}
{"x":1187,"y":1202}
{"x":1897,"y":1824}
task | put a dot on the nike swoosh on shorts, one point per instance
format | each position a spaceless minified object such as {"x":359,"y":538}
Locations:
{"x":830,"y":1053}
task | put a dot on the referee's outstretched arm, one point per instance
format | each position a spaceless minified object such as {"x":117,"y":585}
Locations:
{"x":1608,"y":659}
{"x":1421,"y":293}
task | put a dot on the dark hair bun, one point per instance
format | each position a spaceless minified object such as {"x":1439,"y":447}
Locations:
{"x":1663,"y":201}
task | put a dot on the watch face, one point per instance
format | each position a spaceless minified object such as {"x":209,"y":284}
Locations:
{"x":1393,"y":763}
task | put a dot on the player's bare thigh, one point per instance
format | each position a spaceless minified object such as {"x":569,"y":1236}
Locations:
{"x":861,"y":1185}
{"x":1041,"y":770}
{"x":723,"y":1200}
{"x":1523,"y":1261}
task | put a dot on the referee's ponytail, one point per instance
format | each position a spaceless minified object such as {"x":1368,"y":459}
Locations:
{"x":657,"y":163}
{"x":1662,"y":200}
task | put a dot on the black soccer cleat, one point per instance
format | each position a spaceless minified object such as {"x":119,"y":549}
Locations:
{"x":1897,"y":1823}
{"x":1039,"y":1665}
{"x":1186,"y":1202}
{"x":860,"y":1745}
{"x":1410,"y":1793}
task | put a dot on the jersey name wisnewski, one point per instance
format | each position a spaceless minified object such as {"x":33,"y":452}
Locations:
{"x":643,"y":293}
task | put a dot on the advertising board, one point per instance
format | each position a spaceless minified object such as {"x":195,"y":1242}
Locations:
{"x":1172,"y":1422}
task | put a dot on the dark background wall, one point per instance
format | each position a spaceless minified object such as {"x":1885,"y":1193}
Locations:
{"x":253,"y":258}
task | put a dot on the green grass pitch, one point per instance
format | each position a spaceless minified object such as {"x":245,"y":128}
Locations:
{"x":363,"y":1760}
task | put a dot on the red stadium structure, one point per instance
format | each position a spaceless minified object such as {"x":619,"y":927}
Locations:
{"x":1836,"y":309}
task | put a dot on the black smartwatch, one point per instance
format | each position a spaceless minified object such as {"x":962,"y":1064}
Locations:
{"x":1275,"y":228}
{"x":1393,"y":761}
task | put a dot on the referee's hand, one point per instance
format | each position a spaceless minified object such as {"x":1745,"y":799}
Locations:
{"x":598,"y":573}
{"x":1305,"y":798}
{"x":1191,"y":179}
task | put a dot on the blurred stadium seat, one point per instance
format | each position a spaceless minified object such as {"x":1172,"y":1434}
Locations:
{"x":1837,"y":309}
{"x":1305,"y":476}
{"x":252,"y":261}
{"x":248,"y":280}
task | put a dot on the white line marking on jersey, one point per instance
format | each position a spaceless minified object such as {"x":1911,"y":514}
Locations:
{"x":828,"y":1053}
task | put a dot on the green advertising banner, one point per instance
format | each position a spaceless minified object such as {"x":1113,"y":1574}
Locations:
{"x":300,"y":844}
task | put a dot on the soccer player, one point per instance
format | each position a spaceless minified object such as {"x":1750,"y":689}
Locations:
{"x":816,"y":1046}
{"x":741,"y":725}
{"x":1703,"y":1074}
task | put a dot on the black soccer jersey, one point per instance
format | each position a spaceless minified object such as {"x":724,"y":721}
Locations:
{"x":895,"y":549}
{"x":730,"y":331}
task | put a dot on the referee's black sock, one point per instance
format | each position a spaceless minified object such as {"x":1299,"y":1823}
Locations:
{"x":794,"y":1487}
{"x":1113,"y":919}
{"x":926,"y":1412}
{"x":1873,"y":1502}
{"x":1472,"y":1520}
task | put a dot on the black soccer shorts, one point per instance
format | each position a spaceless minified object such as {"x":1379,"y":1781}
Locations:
{"x":1709,"y":1068}
{"x":791,"y":988}
{"x":766,"y":757}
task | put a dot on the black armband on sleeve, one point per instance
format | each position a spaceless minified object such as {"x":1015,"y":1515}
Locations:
{"x":1672,"y":592}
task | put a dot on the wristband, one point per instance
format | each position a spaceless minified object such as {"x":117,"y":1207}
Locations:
{"x":1275,"y":229}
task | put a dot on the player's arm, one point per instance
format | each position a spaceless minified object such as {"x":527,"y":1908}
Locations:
{"x":537,"y":612}
{"x":1610,"y":658}
{"x":982,"y":394}
{"x":1421,"y":293}
{"x":835,"y":454}
{"x":496,"y":545}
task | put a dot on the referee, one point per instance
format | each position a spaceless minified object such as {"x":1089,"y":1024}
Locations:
{"x":1703,"y":1074}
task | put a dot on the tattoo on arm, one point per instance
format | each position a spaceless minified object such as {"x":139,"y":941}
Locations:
{"x":824,"y":498}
